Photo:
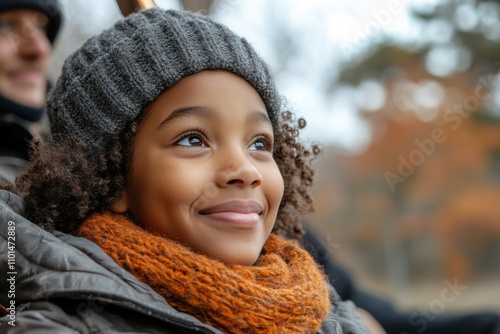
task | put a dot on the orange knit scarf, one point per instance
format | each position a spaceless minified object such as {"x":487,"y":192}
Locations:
{"x":284,"y":292}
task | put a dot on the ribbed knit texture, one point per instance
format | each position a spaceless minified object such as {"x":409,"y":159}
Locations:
{"x":284,"y":292}
{"x":109,"y":81}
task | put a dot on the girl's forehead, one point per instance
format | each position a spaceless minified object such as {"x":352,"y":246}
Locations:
{"x":209,"y":95}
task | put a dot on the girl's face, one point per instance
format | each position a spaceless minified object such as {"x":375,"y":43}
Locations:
{"x":202,"y":170}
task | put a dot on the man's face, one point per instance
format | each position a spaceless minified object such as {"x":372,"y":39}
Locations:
{"x":24,"y":56}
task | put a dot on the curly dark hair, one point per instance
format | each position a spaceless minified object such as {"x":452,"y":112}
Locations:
{"x":66,"y":182}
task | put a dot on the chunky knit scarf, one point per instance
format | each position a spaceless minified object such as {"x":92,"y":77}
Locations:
{"x":284,"y":292}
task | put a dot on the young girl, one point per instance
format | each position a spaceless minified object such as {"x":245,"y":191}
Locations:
{"x":168,"y":187}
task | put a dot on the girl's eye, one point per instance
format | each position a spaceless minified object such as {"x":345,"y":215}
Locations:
{"x":191,"y":139}
{"x":262,"y":143}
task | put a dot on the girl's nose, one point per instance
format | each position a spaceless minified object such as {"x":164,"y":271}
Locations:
{"x":239,"y":171}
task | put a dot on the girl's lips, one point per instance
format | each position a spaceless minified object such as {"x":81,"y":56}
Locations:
{"x":238,"y":213}
{"x":243,"y":220}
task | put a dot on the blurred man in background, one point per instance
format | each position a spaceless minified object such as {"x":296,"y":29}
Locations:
{"x":28,"y":29}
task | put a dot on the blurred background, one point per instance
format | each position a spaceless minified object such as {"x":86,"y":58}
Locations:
{"x":404,"y":97}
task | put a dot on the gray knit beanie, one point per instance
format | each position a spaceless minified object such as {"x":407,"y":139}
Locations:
{"x":109,"y":81}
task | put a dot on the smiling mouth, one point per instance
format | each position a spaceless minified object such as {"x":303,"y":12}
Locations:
{"x":242,"y":214}
{"x":25,"y":75}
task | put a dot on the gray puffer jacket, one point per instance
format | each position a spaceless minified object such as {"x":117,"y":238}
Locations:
{"x":58,"y":283}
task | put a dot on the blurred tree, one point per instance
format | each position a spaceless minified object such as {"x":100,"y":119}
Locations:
{"x":435,"y":141}
{"x":456,"y":38}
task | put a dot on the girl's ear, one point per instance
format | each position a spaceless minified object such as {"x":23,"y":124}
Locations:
{"x":121,"y":205}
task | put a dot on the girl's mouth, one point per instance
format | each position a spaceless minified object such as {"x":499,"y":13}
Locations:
{"x":238,"y":213}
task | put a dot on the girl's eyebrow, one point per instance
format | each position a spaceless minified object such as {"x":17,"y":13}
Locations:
{"x":208,"y":113}
{"x":190,"y":111}
{"x":259,"y":117}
